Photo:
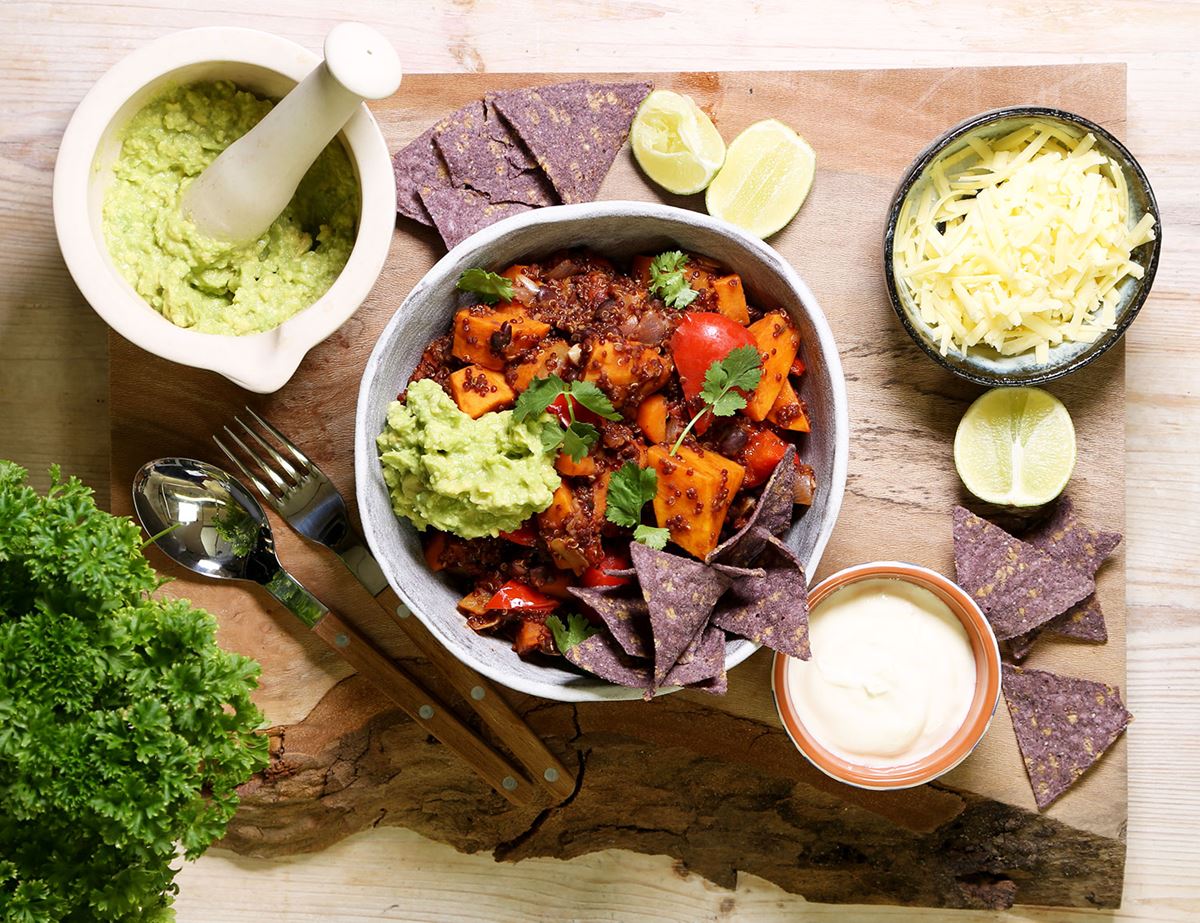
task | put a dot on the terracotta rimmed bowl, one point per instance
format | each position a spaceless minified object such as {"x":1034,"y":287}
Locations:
{"x":270,"y":66}
{"x":983,"y":365}
{"x":616,"y":229}
{"x":979,"y":715}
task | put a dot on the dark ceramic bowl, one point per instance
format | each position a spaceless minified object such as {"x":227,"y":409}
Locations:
{"x":983,"y":365}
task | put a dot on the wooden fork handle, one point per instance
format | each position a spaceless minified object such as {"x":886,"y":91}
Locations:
{"x":510,"y":728}
{"x":420,"y":705}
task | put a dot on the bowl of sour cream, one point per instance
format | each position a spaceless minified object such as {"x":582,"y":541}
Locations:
{"x":249,"y":311}
{"x":903,"y":681}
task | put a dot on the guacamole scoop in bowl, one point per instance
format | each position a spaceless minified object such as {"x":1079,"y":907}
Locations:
{"x":473,"y":478}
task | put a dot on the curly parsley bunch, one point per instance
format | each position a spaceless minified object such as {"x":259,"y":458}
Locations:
{"x":124,"y":728}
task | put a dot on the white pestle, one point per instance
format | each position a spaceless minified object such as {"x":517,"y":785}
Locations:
{"x":243,"y":191}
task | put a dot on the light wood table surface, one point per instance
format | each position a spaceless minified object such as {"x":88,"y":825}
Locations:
{"x":53,"y":390}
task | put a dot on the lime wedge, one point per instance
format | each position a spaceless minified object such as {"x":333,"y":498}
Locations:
{"x":676,"y":143}
{"x":767,"y":174}
{"x":1015,"y":447}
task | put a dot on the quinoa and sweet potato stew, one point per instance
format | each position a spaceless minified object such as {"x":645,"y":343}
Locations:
{"x":663,"y":400}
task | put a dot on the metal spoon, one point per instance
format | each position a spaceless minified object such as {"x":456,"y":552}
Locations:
{"x":207,"y":521}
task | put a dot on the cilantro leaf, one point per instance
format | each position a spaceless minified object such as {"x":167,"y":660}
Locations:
{"x":576,"y":631}
{"x":551,"y":436}
{"x":578,"y":438}
{"x":489,"y":286}
{"x":589,"y":395}
{"x":652,"y":536}
{"x":541,"y":393}
{"x":741,"y":369}
{"x":628,"y":491}
{"x":667,"y":281}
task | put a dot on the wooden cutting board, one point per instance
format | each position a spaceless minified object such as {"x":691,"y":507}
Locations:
{"x":712,"y":782}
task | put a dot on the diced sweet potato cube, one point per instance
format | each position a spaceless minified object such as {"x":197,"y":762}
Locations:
{"x":551,"y":359}
{"x":562,"y":507}
{"x":568,"y":467}
{"x":626,"y":371}
{"x":694,"y":491}
{"x":557,"y":586}
{"x":652,"y":418}
{"x":435,"y":546}
{"x":600,"y":497}
{"x":731,"y":298}
{"x":477,"y":391}
{"x":640,"y":268}
{"x":788,"y":410}
{"x":777,"y":342}
{"x":490,"y":338}
{"x":533,"y":637}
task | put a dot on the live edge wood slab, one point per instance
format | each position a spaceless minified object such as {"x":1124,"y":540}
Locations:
{"x":713,"y":782}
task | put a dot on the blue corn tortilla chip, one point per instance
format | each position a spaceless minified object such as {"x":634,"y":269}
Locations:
{"x":1063,"y":725}
{"x":772,"y":513}
{"x":573,"y":130}
{"x":1065,"y":538}
{"x":1018,"y":586}
{"x":627,"y":617}
{"x":680,"y":594}
{"x":458,"y":213}
{"x":482,"y":153}
{"x":771,"y":609}
{"x":418,"y":166}
{"x":701,"y":661}
{"x":718,"y":685}
{"x":602,"y":656}
{"x":1084,"y":621}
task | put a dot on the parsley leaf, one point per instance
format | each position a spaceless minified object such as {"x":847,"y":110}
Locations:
{"x":628,"y":491}
{"x":489,"y":286}
{"x":540,"y":394}
{"x":741,"y":369}
{"x":652,"y":536}
{"x":578,"y":438}
{"x":589,"y":395}
{"x":667,"y":281}
{"x":125,"y":729}
{"x":576,"y":631}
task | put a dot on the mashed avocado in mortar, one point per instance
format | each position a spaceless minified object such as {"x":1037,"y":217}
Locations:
{"x":470,"y":477}
{"x":209,"y":285}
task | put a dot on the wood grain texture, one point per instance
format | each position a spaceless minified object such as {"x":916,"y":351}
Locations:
{"x":900,"y":492}
{"x":53,"y":402}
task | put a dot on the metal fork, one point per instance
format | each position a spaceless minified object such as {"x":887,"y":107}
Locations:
{"x":300,"y":492}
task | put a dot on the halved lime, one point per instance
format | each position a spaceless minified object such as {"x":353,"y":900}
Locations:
{"x":676,"y":143}
{"x":1015,"y":447}
{"x":767,"y":174}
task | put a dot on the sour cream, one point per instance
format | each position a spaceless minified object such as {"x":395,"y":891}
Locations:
{"x":892,"y":673}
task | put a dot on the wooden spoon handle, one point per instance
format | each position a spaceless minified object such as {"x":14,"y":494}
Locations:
{"x":420,"y":705}
{"x":510,"y":728}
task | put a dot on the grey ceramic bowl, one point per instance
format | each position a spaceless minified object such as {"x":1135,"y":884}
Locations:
{"x":983,"y":365}
{"x":618,"y":229}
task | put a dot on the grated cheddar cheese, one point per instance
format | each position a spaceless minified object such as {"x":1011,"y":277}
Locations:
{"x":1019,"y":243}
